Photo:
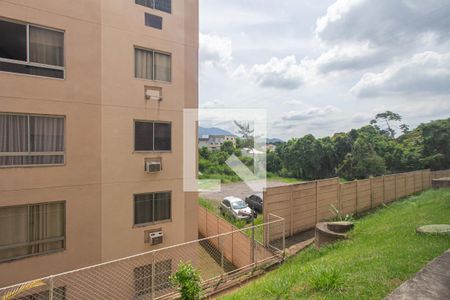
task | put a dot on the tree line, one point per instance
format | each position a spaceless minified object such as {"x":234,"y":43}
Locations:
{"x":385,"y":146}
{"x":382,"y":147}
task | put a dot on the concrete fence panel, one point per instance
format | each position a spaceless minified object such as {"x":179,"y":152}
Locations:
{"x":303,"y":205}
{"x":409,"y":177}
{"x":364,"y":195}
{"x":377,"y":188}
{"x":327,"y":195}
{"x":389,"y":188}
{"x":348,"y":197}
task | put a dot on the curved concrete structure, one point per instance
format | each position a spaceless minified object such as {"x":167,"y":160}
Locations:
{"x":329,"y":232}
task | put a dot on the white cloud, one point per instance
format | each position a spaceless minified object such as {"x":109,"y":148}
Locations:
{"x":294,"y":102}
{"x":426,"y":73}
{"x":280,"y":73}
{"x":216,"y":103}
{"x":215,"y":50}
{"x":362,"y":117}
{"x":349,"y":57}
{"x":365,"y":33}
{"x":310,"y":113}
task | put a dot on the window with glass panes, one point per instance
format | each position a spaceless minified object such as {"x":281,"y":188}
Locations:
{"x":31,"y":49}
{"x":152,"y":207}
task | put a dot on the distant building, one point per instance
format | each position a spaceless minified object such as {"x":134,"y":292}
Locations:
{"x":214,"y":142}
{"x":250,"y":152}
{"x":271,"y":147}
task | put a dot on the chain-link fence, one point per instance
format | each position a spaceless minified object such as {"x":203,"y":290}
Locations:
{"x":147,"y":275}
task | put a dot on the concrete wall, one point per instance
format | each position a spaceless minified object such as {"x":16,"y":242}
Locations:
{"x":303,"y":205}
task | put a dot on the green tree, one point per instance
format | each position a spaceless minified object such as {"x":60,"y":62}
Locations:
{"x":204,"y":152}
{"x":386,"y":123}
{"x":273,"y":162}
{"x":246,"y":133}
{"x":227,"y":147}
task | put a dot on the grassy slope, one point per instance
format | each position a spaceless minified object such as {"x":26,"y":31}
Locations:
{"x":384,"y":251}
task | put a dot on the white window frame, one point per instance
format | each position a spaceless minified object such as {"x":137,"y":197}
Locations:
{"x":34,"y":64}
{"x":153,"y":51}
{"x":145,"y":224}
{"x":153,"y":6}
{"x":49,"y":240}
{"x":29,"y":153}
{"x":154,"y":122}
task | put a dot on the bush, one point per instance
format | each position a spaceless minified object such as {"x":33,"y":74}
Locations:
{"x":187,"y":279}
{"x":338,"y":216}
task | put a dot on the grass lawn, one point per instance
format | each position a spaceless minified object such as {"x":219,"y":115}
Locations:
{"x":383,"y":252}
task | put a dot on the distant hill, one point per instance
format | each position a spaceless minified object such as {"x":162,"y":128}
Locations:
{"x":274,"y":141}
{"x":202,"y":131}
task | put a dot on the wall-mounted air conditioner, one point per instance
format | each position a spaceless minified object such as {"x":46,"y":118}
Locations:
{"x":153,"y":93}
{"x":155,"y":238}
{"x":153,"y":166}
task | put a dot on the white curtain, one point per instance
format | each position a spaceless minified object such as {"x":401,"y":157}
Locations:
{"x":46,"y":221}
{"x":163,"y":67}
{"x":143,"y":64}
{"x":46,"y":135}
{"x":28,"y":223}
{"x":14,"y":230}
{"x":46,"y":46}
{"x":13,"y":138}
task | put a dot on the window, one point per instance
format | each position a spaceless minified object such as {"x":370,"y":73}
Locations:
{"x":153,"y":65}
{"x":33,"y":229}
{"x":143,"y":282}
{"x":152,"y":207}
{"x":162,"y":5}
{"x":31,"y":140}
{"x":30,"y":49}
{"x":153,"y":21}
{"x":152,"y":136}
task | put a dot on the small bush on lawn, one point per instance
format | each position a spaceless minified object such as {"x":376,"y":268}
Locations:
{"x":325,"y":279}
{"x":188,"y":281}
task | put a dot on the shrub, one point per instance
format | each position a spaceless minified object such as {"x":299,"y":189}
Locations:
{"x":338,"y":216}
{"x":188,"y":281}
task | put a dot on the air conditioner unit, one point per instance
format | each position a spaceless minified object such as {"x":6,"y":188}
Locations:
{"x":153,"y":94}
{"x":155,"y":238}
{"x":153,"y":166}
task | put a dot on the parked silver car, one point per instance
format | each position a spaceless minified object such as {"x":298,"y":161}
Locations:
{"x":236,"y":208}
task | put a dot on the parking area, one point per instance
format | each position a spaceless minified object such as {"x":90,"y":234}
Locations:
{"x":236,"y":189}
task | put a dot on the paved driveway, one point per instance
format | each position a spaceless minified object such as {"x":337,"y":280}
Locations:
{"x":237,"y":189}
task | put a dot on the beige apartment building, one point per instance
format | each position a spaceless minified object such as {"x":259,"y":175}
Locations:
{"x":92,"y":94}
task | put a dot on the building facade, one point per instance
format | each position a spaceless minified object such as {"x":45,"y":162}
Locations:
{"x":214,"y":142}
{"x":92,"y":94}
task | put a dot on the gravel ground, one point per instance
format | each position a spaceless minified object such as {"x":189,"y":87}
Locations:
{"x":237,"y":189}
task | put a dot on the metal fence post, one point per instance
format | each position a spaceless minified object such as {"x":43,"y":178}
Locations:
{"x":153,"y":276}
{"x":284,"y":238}
{"x":221,"y":255}
{"x":50,"y":290}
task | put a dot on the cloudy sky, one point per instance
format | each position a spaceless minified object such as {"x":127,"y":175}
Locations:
{"x":322,"y":66}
